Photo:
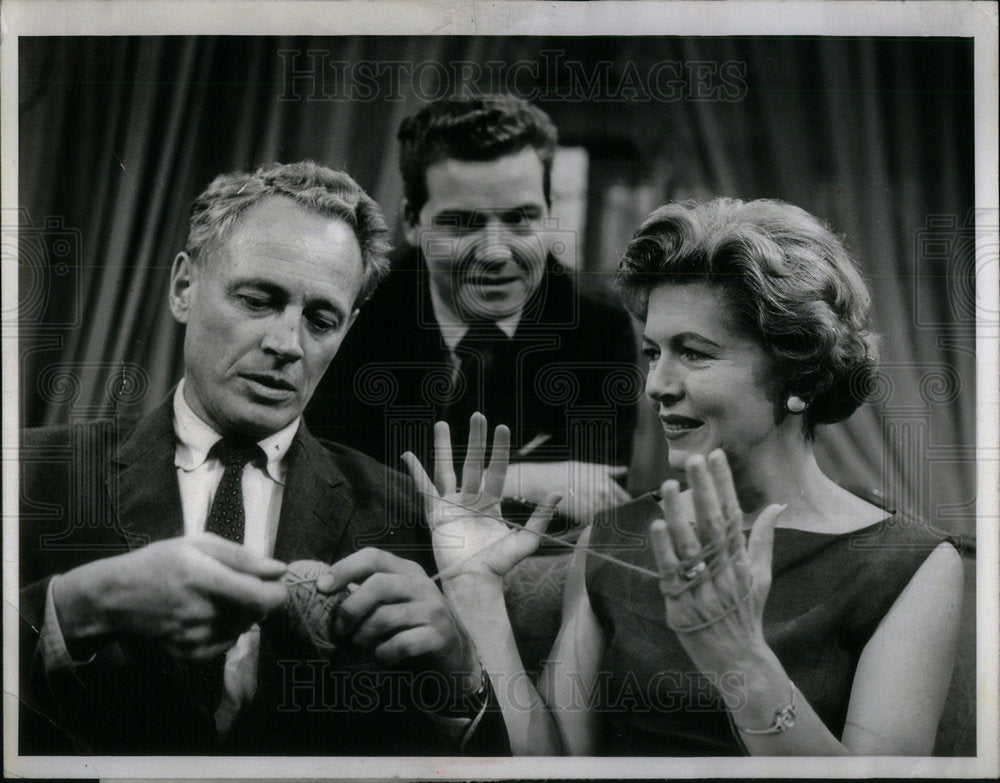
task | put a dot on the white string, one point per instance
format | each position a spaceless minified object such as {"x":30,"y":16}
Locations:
{"x":514,"y":528}
{"x":590,"y":552}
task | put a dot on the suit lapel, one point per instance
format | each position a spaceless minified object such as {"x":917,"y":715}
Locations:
{"x":315,"y":505}
{"x":142,"y":484}
{"x":142,"y":481}
{"x":428,"y":342}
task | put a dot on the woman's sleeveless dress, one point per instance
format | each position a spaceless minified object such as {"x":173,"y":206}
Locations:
{"x":828,"y":595}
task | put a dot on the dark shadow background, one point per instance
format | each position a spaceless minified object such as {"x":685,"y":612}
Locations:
{"x":117,"y":135}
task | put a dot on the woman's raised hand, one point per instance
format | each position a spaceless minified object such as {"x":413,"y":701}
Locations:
{"x":467,"y":531}
{"x":714,"y":584}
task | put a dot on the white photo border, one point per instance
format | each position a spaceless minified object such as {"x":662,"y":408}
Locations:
{"x":976,"y":20}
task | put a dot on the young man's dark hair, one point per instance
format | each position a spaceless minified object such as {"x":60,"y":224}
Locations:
{"x":474,"y":129}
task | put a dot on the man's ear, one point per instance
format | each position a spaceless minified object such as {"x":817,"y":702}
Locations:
{"x":351,"y":319}
{"x":411,"y":223}
{"x":181,"y":287}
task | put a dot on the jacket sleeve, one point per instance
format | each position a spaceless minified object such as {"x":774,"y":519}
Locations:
{"x":116,"y":702}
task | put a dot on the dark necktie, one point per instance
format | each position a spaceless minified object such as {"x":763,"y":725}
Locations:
{"x":227,"y":518}
{"x":480,"y":345}
{"x":483,"y":383}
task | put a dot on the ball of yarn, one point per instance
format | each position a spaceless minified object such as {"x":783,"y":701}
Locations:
{"x":311,"y":613}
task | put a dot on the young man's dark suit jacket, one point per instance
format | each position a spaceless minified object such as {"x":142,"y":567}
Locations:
{"x":569,"y":373}
{"x":97,"y":489}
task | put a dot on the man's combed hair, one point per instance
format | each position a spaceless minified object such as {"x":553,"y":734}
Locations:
{"x":472,"y":129}
{"x":325,"y":191}
{"x":790,"y":284}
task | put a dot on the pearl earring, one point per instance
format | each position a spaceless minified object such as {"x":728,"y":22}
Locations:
{"x":796,"y":404}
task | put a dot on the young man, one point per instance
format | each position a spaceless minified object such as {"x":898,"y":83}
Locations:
{"x":154,"y":611}
{"x":477,"y":314}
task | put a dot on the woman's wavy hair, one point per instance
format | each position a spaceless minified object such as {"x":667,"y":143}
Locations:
{"x":790,"y":284}
{"x":328,"y":192}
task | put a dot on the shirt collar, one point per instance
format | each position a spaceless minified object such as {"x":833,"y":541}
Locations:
{"x":453,"y":328}
{"x":195,"y":439}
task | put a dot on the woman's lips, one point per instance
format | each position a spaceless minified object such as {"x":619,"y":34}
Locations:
{"x":676,"y":426}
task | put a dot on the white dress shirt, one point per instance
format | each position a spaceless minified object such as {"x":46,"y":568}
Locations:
{"x":198,"y":476}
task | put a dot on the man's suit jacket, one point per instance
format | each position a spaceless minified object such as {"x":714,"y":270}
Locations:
{"x":569,"y":373}
{"x":96,"y":489}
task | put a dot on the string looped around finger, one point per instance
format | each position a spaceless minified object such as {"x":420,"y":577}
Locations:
{"x":722,"y":614}
{"x":709,"y":554}
{"x":687,"y":575}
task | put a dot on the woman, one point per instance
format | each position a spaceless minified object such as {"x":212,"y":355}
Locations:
{"x":830,"y":630}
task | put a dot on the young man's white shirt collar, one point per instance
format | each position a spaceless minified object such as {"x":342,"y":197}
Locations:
{"x":453,"y":328}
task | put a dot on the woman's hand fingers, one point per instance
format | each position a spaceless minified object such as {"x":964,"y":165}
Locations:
{"x":710,"y":578}
{"x":718,"y":467}
{"x":472,"y":471}
{"x":496,"y":473}
{"x":542,"y":515}
{"x":708,"y":513}
{"x":667,"y":562}
{"x":761,"y":545}
{"x":424,"y":485}
{"x":670,"y":492}
{"x":444,"y":465}
{"x":686,"y":543}
{"x":526,"y":540}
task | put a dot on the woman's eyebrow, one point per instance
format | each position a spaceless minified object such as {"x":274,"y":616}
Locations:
{"x":694,"y":336}
{"x":681,"y":337}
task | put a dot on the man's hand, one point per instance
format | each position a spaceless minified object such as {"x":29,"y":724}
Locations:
{"x":192,"y":596}
{"x":398,"y":615}
{"x":586,"y":487}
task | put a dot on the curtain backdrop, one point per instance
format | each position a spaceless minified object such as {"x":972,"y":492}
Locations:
{"x":117,"y":135}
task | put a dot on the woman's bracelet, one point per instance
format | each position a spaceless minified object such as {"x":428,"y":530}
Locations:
{"x":784,"y":718}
